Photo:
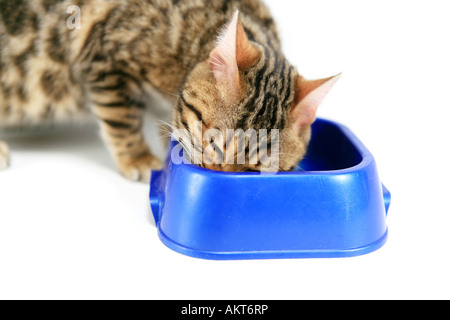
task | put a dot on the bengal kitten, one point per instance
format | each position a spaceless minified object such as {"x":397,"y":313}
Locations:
{"x":218,"y":61}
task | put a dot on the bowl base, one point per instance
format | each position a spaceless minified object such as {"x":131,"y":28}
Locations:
{"x":261,"y":255}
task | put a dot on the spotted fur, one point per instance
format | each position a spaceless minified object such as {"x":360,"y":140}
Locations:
{"x":127,"y":49}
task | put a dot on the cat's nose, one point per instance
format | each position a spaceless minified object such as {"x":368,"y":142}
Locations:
{"x":215,"y":167}
{"x":222,"y":167}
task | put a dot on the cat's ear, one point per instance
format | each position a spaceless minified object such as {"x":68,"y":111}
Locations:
{"x":233,"y":52}
{"x":309,"y":95}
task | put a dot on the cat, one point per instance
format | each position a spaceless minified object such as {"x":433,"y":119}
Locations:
{"x":216,"y":61}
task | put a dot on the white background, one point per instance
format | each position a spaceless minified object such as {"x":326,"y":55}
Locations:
{"x":71,"y":227}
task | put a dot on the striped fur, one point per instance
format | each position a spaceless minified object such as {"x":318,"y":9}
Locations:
{"x":127,"y":49}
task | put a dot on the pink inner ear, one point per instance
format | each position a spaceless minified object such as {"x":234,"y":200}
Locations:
{"x":223,"y":60}
{"x":316,"y":91}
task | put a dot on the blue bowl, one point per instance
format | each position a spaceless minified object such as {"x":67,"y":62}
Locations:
{"x":336,"y":207}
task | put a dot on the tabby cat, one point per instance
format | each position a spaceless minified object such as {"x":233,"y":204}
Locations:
{"x":216,"y":61}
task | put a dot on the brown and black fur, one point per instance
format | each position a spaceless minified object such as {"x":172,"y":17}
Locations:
{"x":125,"y":51}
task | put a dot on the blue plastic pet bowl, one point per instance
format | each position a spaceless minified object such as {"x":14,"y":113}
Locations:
{"x":336,"y":207}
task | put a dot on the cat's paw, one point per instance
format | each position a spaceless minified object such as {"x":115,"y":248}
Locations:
{"x":140,"y":169}
{"x":4,"y":155}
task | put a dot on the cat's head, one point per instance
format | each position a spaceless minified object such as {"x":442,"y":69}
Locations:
{"x":244,"y":85}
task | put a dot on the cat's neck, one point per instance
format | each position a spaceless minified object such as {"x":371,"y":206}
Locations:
{"x":184,"y":44}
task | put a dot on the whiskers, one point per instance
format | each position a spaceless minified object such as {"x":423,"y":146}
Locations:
{"x":167,"y":130}
{"x":170,"y":93}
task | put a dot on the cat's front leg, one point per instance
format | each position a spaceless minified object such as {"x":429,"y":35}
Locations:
{"x":121,"y":119}
{"x":4,"y":155}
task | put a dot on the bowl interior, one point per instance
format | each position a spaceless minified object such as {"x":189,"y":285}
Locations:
{"x":330,"y":149}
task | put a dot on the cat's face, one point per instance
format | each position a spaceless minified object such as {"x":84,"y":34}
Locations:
{"x":241,"y":89}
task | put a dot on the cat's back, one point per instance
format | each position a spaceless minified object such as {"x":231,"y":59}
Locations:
{"x":44,"y":56}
